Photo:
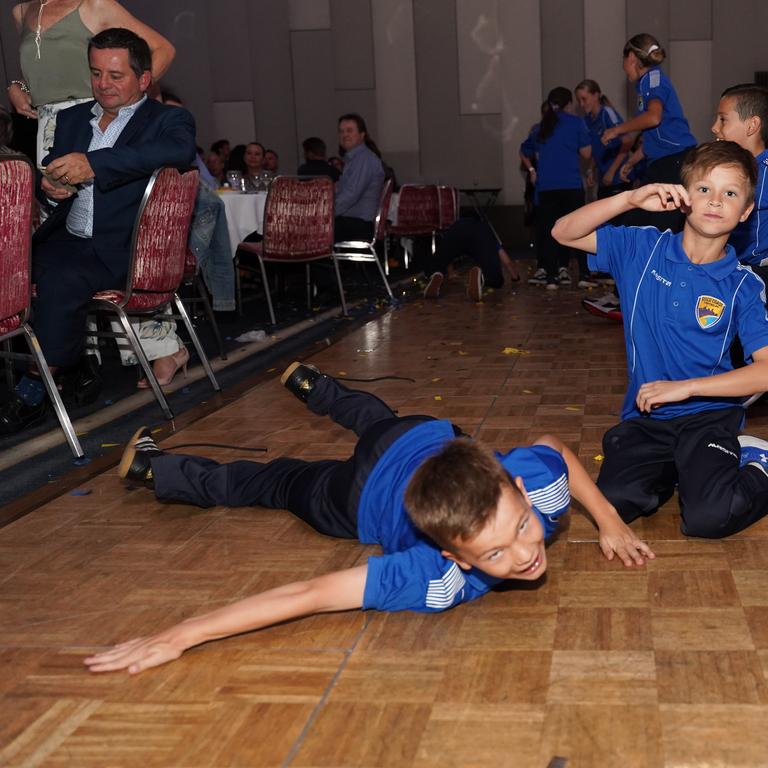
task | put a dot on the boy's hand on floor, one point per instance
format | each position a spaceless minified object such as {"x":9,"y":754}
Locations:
{"x":135,"y":655}
{"x":617,"y":538}
{"x":660,"y":197}
{"x":652,"y":394}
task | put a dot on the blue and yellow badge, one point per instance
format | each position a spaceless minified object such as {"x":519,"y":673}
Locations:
{"x":709,"y":310}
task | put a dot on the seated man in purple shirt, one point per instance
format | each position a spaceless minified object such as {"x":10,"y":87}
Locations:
{"x":358,"y":191}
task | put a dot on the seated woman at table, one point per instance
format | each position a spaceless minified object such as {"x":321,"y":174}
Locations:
{"x":254,"y":171}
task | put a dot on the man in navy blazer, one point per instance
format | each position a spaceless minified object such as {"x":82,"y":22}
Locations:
{"x":103,"y":155}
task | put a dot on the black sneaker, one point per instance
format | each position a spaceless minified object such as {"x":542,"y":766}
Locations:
{"x":300,"y":378}
{"x":82,"y":385}
{"x":16,"y":415}
{"x":136,"y":465}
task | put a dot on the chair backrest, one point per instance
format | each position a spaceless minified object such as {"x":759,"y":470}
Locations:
{"x":298,"y":219}
{"x":448,"y":204}
{"x":418,"y":209}
{"x":17,"y":187}
{"x":160,"y":233}
{"x":380,"y":228}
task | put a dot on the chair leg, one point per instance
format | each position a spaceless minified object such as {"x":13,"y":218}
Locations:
{"x":266,"y":290}
{"x":8,"y":366}
{"x":133,"y":340}
{"x":238,"y":288}
{"x":386,"y":254}
{"x":383,"y":275}
{"x":308,"y":273}
{"x":53,"y":393}
{"x":182,"y":310}
{"x":341,"y":287}
{"x":200,"y":288}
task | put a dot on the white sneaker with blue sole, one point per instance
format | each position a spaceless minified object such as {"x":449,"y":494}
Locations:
{"x":754,"y":453}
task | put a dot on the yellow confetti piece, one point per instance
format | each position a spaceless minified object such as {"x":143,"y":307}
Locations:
{"x":437,"y":378}
{"x":514,"y":351}
{"x":572,"y":408}
{"x":527,"y":392}
{"x":156,"y":430}
{"x":342,"y":373}
{"x":438,"y":397}
{"x":109,"y":445}
{"x":271,"y":370}
{"x":599,"y":457}
{"x":463,"y":353}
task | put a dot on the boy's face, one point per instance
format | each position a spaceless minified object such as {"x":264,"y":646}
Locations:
{"x":728,"y":126}
{"x":719,"y":201}
{"x":511,"y":546}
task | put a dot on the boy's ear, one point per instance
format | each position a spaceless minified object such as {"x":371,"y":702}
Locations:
{"x":463,"y":564}
{"x":744,"y":216}
{"x":754,"y":124}
{"x":518,"y":481}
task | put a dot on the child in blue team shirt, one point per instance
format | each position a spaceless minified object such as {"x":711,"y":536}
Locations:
{"x":474,"y":519}
{"x":686,"y":297}
{"x":665,"y":132}
{"x":599,"y":116}
{"x":552,"y":156}
{"x":742,"y":116}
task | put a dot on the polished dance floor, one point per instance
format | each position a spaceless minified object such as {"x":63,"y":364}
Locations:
{"x":665,"y":665}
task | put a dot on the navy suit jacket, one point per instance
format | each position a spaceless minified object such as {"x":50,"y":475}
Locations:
{"x":156,"y":135}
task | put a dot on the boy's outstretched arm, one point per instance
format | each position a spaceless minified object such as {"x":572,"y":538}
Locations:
{"x":615,"y":536}
{"x":338,"y":591}
{"x":578,"y":229}
{"x":741,"y":382}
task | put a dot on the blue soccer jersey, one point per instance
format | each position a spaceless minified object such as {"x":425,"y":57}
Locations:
{"x":412,"y":574}
{"x":750,"y":238}
{"x":680,"y":318}
{"x":672,"y":135}
{"x":604,"y":154}
{"x":557,"y":164}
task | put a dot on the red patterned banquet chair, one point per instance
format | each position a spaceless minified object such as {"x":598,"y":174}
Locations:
{"x":418,"y":213}
{"x":17,"y":186}
{"x":298,"y":228}
{"x":365,"y":250}
{"x":158,"y":255}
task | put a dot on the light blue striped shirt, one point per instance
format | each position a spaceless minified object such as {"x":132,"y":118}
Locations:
{"x":80,"y":218}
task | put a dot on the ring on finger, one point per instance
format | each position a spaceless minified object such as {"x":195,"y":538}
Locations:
{"x":66,"y":179}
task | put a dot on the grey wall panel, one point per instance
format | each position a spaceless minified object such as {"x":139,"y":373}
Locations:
{"x":272,"y":76}
{"x":480,"y":161}
{"x":690,"y":19}
{"x":650,"y":16}
{"x":312,"y":54}
{"x":691,"y":71}
{"x":230,"y":51}
{"x":562,"y":43}
{"x":395,"y":60}
{"x":604,"y":37}
{"x":521,"y":86}
{"x":309,"y":14}
{"x":738,"y":42}
{"x":479,"y":49}
{"x":234,"y":121}
{"x":405,"y":164}
{"x":352,"y":44}
{"x":437,"y":79}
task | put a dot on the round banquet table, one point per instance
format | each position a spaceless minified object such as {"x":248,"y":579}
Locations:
{"x":245,"y":214}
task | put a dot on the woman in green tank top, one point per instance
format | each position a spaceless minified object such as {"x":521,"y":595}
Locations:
{"x":53,"y":53}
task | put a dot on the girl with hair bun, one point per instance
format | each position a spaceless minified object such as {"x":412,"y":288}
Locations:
{"x":557,"y":145}
{"x":665,"y":132}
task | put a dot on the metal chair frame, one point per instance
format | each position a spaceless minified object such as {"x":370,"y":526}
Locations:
{"x":23,"y":328}
{"x":118,"y":307}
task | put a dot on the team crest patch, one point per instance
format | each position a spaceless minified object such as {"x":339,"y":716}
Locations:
{"x":709,"y":310}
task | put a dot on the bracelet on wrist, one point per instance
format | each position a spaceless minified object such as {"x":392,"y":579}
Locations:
{"x":24,"y":87}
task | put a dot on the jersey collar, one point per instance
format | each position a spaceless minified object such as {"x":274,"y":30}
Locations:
{"x":718,"y":270}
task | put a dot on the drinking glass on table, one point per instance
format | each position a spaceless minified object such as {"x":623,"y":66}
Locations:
{"x":235,"y":180}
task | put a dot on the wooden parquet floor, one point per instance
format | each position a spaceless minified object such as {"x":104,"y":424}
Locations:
{"x":605,"y":666}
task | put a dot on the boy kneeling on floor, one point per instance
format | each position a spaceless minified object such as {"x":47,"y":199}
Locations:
{"x":685,"y":298}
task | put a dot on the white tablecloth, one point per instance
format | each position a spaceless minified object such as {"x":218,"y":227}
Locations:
{"x":245,"y":214}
